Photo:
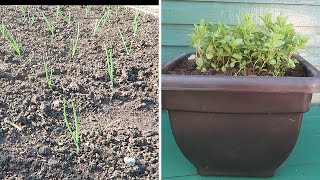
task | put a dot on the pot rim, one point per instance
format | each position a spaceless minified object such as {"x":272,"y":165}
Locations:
{"x":309,"y":84}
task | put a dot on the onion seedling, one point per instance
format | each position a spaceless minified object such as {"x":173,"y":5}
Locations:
{"x":50,"y":27}
{"x":75,"y":135}
{"x":106,"y":8}
{"x":105,"y":16}
{"x":46,"y":69}
{"x":88,"y":9}
{"x":26,"y":14}
{"x":31,"y":19}
{"x":23,"y":11}
{"x":58,"y":12}
{"x":135,"y":30}
{"x":67,"y":18}
{"x":75,"y":41}
{"x":117,"y":9}
{"x":110,"y":64}
{"x":128,"y":49}
{"x":135,"y":23}
{"x":98,"y":22}
{"x":96,"y":26}
{"x":11,"y":39}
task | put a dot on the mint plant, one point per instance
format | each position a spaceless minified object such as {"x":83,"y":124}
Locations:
{"x":250,"y":48}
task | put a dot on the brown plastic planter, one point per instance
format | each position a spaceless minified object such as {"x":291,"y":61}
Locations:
{"x":236,"y":126}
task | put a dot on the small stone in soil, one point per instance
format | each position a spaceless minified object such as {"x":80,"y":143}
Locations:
{"x":56,"y":104}
{"x":150,"y":133}
{"x":130,"y":161}
{"x":30,"y":152}
{"x":23,"y":120}
{"x":34,"y":99}
{"x":54,"y":163}
{"x":74,"y":87}
{"x":142,"y":106}
{"x":2,"y":74}
{"x":43,"y":108}
{"x":136,"y":170}
{"x":45,"y":151}
{"x":31,"y":117}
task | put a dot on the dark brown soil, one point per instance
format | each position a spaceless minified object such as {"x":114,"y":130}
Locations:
{"x":187,"y":67}
{"x":114,"y":122}
{"x":299,"y":71}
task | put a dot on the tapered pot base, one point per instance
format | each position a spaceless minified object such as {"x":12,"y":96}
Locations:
{"x":228,"y":144}
{"x":236,"y":126}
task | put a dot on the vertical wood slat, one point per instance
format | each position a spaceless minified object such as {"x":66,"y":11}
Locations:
{"x":190,"y":12}
{"x":296,"y":2}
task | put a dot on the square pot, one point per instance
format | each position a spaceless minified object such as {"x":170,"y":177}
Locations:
{"x":236,"y":126}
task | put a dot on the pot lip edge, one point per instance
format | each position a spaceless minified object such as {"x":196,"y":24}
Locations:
{"x":309,"y":84}
{"x":315,"y":72}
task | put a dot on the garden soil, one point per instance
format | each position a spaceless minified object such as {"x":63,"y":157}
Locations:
{"x":116,"y":123}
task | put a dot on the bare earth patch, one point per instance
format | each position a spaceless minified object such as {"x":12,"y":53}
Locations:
{"x":114,"y":122}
